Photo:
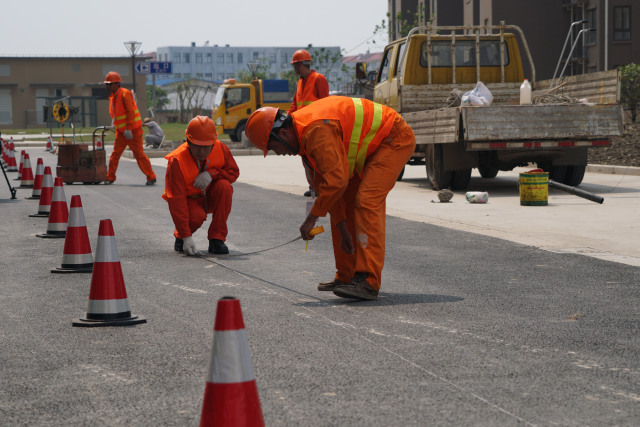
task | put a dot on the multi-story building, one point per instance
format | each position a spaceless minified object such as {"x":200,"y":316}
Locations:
{"x":611,"y":42}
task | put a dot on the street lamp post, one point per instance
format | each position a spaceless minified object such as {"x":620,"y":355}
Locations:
{"x":133,"y":47}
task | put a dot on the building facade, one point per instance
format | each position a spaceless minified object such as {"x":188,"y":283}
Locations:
{"x":29,"y":86}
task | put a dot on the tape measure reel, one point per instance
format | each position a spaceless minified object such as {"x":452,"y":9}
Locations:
{"x":60,"y":111}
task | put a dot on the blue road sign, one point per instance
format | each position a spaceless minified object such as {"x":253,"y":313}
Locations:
{"x":154,"y":67}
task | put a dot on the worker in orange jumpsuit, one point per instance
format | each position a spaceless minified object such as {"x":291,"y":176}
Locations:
{"x":357,"y":149}
{"x":311,"y":87}
{"x":198,"y":182}
{"x":126,"y":119}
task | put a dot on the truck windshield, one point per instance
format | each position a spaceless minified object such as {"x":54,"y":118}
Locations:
{"x":465,"y":53}
{"x":219,"y":95}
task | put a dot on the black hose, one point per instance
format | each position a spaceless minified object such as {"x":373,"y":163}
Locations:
{"x":576,"y":192}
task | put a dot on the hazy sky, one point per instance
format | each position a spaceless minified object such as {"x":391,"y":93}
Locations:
{"x":96,"y":28}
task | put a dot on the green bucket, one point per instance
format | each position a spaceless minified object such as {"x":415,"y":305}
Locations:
{"x":534,"y":189}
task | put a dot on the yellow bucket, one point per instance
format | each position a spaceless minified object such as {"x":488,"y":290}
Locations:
{"x":534,"y":188}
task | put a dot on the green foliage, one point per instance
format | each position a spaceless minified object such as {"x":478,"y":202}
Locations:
{"x":404,"y":25}
{"x":630,"y":88}
{"x":293,"y":81}
{"x":323,"y":60}
{"x":161,"y":97}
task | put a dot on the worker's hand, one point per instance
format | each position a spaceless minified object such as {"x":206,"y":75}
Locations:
{"x":189,"y":246}
{"x":306,"y":227}
{"x":128,"y":134}
{"x":346,"y":240}
{"x":202,"y":181}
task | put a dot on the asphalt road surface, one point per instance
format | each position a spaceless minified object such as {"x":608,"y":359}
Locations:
{"x":469,"y":329}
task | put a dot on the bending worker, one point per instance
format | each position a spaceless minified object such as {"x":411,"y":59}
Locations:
{"x":311,"y":87}
{"x":198,"y":182}
{"x":155,"y":136}
{"x":126,"y":119}
{"x":357,"y":149}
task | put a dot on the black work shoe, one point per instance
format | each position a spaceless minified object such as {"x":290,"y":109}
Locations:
{"x":358,"y":288}
{"x":151,"y":182}
{"x":329,"y":286}
{"x":217,"y":246}
{"x":307,"y":193}
{"x":107,"y":182}
{"x":177,"y":246}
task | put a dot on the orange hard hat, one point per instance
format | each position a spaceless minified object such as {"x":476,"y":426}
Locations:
{"x":112,"y":77}
{"x":201,"y":131}
{"x":259,"y":125}
{"x":300,"y":55}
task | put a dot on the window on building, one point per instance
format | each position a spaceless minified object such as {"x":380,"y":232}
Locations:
{"x":198,"y":58}
{"x":230,"y":75}
{"x":208,"y":76}
{"x":272,"y":58}
{"x":221,"y":58}
{"x":75,"y":68}
{"x":622,"y":23}
{"x":220,"y":76}
{"x":6,"y":117}
{"x":177,"y":58}
{"x":208,"y":59}
{"x":284,"y":59}
{"x":591,"y":23}
{"x":229,"y":58}
{"x":199,"y":75}
{"x":187,"y":58}
{"x":256,"y":56}
{"x":239,"y":57}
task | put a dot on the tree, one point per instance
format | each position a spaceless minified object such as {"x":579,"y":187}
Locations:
{"x":161,"y":97}
{"x":630,"y":88}
{"x":191,"y":95}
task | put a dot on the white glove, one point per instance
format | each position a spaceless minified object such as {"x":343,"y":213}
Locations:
{"x":128,"y":134}
{"x":189,"y":246}
{"x":202,"y":181}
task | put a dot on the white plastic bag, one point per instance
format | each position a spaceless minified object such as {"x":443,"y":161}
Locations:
{"x":480,"y":95}
{"x":477,"y":196}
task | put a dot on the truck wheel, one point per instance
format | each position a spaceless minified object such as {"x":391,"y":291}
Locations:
{"x":574,"y":175}
{"x":558,"y":173}
{"x":401,"y":174}
{"x":487,"y":172}
{"x":439,"y":178}
{"x":242,"y":137}
{"x":233,"y":137}
{"x":460,"y":179}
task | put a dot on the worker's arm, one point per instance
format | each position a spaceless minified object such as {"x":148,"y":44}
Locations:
{"x":229,"y":170}
{"x":323,"y":143}
{"x":294,"y":105}
{"x":175,"y":190}
{"x":322,"y":87}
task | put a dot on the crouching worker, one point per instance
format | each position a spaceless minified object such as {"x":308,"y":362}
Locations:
{"x":356,"y":149}
{"x":198,"y":182}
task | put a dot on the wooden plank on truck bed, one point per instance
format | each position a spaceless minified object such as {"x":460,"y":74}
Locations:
{"x":602,"y":87}
{"x":434,"y":126}
{"x":553,"y":121}
{"x":428,"y":97}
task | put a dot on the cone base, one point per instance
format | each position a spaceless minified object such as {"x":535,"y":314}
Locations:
{"x":133,"y":320}
{"x":33,"y":198}
{"x":39,"y":215}
{"x":52,"y":236}
{"x":72,"y":269}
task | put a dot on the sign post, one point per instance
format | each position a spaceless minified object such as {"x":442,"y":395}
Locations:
{"x":153,"y":68}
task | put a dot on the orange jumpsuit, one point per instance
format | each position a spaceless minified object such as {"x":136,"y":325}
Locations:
{"x":125,"y":115}
{"x":188,"y":205}
{"x":357,"y":149}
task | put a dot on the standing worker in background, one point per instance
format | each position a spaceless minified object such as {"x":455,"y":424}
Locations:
{"x":311,"y":87}
{"x":357,"y":149}
{"x":126,"y":119}
{"x":198,"y":182}
{"x":155,"y":136}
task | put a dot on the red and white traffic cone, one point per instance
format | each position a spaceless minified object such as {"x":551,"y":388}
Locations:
{"x":26,"y":180}
{"x":19,"y":177}
{"x":231,"y":394}
{"x":98,"y":143}
{"x":37,"y":182}
{"x":12,"y":166}
{"x":59,"y":215}
{"x":108,"y":303}
{"x":46,"y":193}
{"x":48,"y":146}
{"x":76,"y":257}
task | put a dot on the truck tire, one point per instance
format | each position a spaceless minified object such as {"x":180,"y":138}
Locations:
{"x":488,"y":172}
{"x":439,"y":178}
{"x":460,"y":179}
{"x":574,"y":175}
{"x":233,"y":137}
{"x":240,"y":136}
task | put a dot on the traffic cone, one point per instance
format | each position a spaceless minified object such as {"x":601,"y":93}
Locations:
{"x":108,"y":304}
{"x":231,"y":394}
{"x":59,"y":215}
{"x":22,"y":153}
{"x":26,"y":181}
{"x":98,"y":143}
{"x":12,"y":166}
{"x":37,"y":182}
{"x":76,"y":257}
{"x":46,"y":193}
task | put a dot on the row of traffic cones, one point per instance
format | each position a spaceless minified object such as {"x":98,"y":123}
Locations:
{"x":231,"y":394}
